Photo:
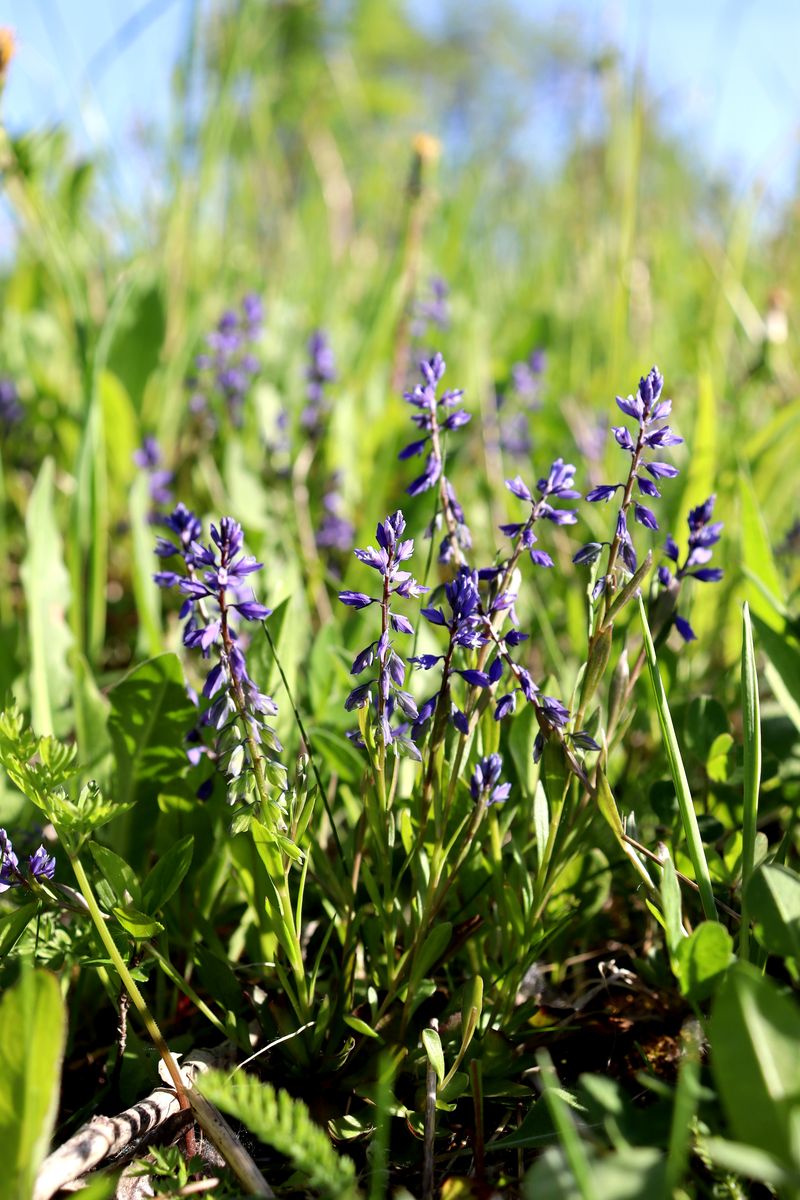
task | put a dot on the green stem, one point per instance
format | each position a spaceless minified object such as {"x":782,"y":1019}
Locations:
{"x":139,"y":1002}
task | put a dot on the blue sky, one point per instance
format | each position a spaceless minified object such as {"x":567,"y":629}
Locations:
{"x":724,"y":70}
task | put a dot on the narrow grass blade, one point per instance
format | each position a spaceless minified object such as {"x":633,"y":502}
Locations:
{"x":678,"y":771}
{"x":47,"y":595}
{"x":751,"y":724}
{"x":571,"y":1144}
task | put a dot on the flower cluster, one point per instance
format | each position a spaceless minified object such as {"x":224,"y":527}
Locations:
{"x":436,"y":416}
{"x":558,"y":485}
{"x":216,"y":590}
{"x":228,"y":365}
{"x":41,"y":865}
{"x":386,"y":688}
{"x":321,"y":370}
{"x":515,"y":405}
{"x":484,"y":784}
{"x":432,"y":309}
{"x":703,"y":534}
{"x":148,"y":458}
{"x":11,"y":411}
{"x":464,"y":625}
{"x":335,"y":532}
{"x":649,"y":410}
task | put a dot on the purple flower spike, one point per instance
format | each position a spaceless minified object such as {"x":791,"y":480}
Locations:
{"x":216,"y":590}
{"x":703,"y":534}
{"x":435,"y":416}
{"x":647,"y":409}
{"x":386,"y":688}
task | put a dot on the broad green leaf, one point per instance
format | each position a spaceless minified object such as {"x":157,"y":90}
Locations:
{"x":46,"y":584}
{"x":91,"y":717}
{"x":773,"y":902}
{"x":755,"y":1032}
{"x":431,"y":951}
{"x":337,"y":753}
{"x":359,"y":1026}
{"x":117,"y":873}
{"x":150,"y":717}
{"x":13,"y":924}
{"x":168,"y":874}
{"x":138,"y":924}
{"x":703,"y":959}
{"x":671,"y":906}
{"x":137,"y":337}
{"x":783,"y":668}
{"x":32,"y":1030}
{"x":145,"y":589}
{"x":120,"y":426}
{"x":433,"y":1048}
{"x":631,"y":1173}
{"x":757,"y":556}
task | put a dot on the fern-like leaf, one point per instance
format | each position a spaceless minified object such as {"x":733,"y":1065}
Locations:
{"x":279,"y":1120}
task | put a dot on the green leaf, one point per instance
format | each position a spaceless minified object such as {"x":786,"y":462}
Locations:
{"x":671,"y":906}
{"x":137,"y":337}
{"x":138,"y":924}
{"x":703,"y":959}
{"x":46,"y":585}
{"x":117,"y":873}
{"x":757,"y":556}
{"x":783,"y":668}
{"x":433,"y":1048}
{"x":145,"y":589}
{"x":168,"y":874}
{"x":719,"y":762}
{"x":13,"y":924}
{"x":337,"y":753}
{"x":631,"y":1173}
{"x":751,"y":731}
{"x":755,"y":1032}
{"x":608,"y":807}
{"x":430,"y":952}
{"x":773,"y":902}
{"x":150,"y":716}
{"x":361,"y":1027}
{"x":32,"y":1031}
{"x":678,"y":772}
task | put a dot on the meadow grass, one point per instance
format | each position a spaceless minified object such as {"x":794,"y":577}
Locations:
{"x":518,"y":917}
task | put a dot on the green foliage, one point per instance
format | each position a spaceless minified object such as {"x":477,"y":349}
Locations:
{"x":32,"y":1035}
{"x":324,"y":917}
{"x":150,"y":716}
{"x":284,"y":1123}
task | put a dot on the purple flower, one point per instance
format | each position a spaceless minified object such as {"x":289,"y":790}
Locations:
{"x":228,"y":366}
{"x":386,"y":688}
{"x":647,"y":409}
{"x":321,"y":370}
{"x":435,"y":416}
{"x":557,"y":486}
{"x":216,"y":590}
{"x":484,"y":784}
{"x":11,"y":411}
{"x":148,"y":457}
{"x":41,"y":865}
{"x":703,"y":534}
{"x":9,"y":864}
{"x":432,"y":309}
